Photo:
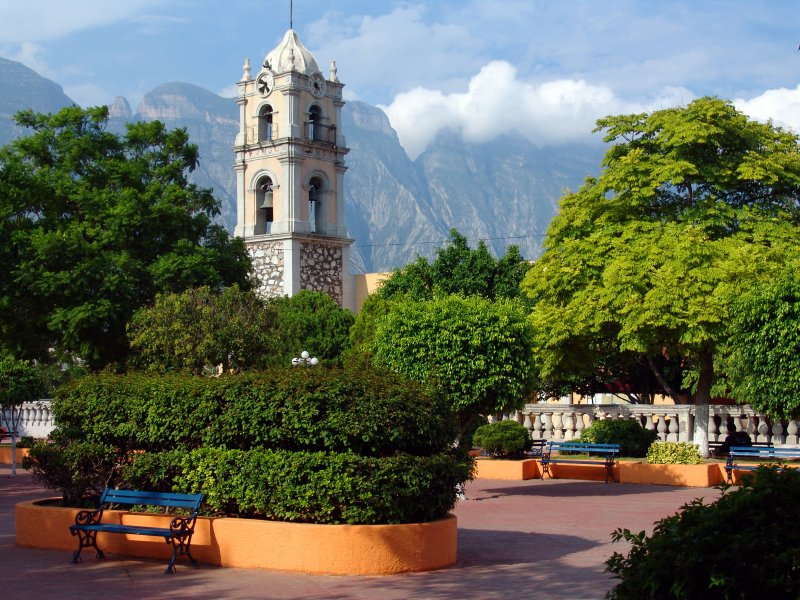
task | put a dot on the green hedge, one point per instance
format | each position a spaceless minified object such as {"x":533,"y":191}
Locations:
{"x":305,"y":445}
{"x":633,"y":439}
{"x":366,"y":412}
{"x":309,"y":487}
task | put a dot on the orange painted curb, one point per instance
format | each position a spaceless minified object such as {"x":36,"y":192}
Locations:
{"x":582,"y":472}
{"x":705,"y":475}
{"x":252,"y":543}
{"x":492,"y":468}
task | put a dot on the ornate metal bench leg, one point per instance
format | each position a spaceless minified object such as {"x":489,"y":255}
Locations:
{"x":86,"y":539}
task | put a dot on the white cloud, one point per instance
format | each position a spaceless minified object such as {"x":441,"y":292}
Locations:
{"x":781,"y":105}
{"x":32,"y":56}
{"x":497,"y":102}
{"x":40,"y":20}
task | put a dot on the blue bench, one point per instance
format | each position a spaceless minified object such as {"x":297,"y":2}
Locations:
{"x":757,"y":453}
{"x":608,"y":452}
{"x":88,"y":523}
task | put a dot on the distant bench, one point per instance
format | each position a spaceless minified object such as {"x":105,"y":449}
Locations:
{"x":607,"y":452}
{"x":761,"y":454}
{"x":88,"y":523}
{"x":715,"y":447}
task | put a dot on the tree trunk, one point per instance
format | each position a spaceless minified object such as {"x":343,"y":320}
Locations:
{"x":661,"y":381}
{"x":702,"y":399}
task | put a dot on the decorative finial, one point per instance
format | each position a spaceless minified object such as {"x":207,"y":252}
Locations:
{"x":334,"y":77}
{"x":291,"y":59}
{"x":246,"y":70}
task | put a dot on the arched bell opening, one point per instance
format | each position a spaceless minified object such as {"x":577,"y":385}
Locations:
{"x":265,"y":116}
{"x":316,"y":195}
{"x":265,"y":202}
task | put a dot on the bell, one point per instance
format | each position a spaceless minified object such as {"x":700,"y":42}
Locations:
{"x":267,"y":202}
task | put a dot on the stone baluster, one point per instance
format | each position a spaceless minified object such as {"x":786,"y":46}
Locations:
{"x":662,"y":428}
{"x":548,"y":426}
{"x":791,"y":431}
{"x":649,"y":423}
{"x":763,"y":430}
{"x":568,"y":420}
{"x":778,"y":439}
{"x":537,"y":427}
{"x":713,"y":432}
{"x":751,"y":427}
{"x":673,"y":428}
{"x":579,"y":425}
{"x":558,"y":426}
{"x":590,"y":418}
{"x":527,"y":423}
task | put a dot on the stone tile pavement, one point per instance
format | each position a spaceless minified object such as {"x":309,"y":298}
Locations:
{"x":531,"y":539}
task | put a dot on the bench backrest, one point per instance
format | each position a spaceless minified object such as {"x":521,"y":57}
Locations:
{"x":762,"y":452}
{"x":583,"y":447}
{"x":167,"y":499}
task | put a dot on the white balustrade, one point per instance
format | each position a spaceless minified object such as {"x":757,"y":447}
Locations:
{"x":36,"y":419}
{"x":556,"y":421}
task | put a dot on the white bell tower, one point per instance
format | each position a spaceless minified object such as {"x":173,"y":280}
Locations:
{"x":290,"y":175}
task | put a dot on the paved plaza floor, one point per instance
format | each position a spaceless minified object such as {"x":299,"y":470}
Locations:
{"x":527,"y":539}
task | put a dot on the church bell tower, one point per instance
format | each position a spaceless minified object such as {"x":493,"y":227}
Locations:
{"x":290,"y":175}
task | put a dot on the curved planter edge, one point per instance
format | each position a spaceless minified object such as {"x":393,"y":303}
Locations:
{"x":252,"y":543}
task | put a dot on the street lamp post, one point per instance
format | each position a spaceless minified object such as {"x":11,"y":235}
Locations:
{"x":305,"y":360}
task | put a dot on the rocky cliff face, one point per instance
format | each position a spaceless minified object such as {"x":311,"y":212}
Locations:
{"x":505,"y":191}
{"x":22,"y":88}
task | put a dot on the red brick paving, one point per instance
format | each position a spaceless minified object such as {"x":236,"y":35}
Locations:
{"x":531,"y":539}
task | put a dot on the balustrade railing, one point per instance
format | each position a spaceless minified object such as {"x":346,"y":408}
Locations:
{"x":673,"y":423}
{"x":36,"y":419}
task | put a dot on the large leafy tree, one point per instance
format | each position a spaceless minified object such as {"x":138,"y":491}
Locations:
{"x":94,"y":225}
{"x":643,"y":262}
{"x":764,"y":360}
{"x":477,"y":350}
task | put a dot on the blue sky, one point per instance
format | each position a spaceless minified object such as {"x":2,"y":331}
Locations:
{"x":547,"y":69}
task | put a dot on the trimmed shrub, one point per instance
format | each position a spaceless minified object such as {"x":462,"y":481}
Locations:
{"x":677,"y":453}
{"x":740,"y":546}
{"x":502,"y":439}
{"x":310,"y":487}
{"x":368,"y":412}
{"x":306,"y":445}
{"x":633,"y":439}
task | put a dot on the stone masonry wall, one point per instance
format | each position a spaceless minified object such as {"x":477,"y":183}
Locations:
{"x":321,"y":269}
{"x":268,"y":267}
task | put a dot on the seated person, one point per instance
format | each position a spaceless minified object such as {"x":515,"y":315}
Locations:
{"x":737,"y":438}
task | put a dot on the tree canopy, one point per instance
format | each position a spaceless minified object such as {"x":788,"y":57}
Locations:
{"x":201,"y":329}
{"x":477,"y":350}
{"x":94,"y":225}
{"x":643,"y":262}
{"x":764,"y":347}
{"x":459,"y":269}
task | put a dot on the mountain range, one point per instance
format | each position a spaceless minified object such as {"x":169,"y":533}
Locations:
{"x":504,"y":191}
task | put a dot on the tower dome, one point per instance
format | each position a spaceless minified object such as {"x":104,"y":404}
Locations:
{"x":290,"y":55}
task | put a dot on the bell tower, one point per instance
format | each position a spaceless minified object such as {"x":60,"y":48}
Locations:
{"x":289,"y":164}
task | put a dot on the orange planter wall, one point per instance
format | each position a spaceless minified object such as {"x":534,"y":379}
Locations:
{"x":507,"y":469}
{"x":584,"y":472}
{"x":250,"y":543}
{"x":705,"y":475}
{"x":5,"y":455}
